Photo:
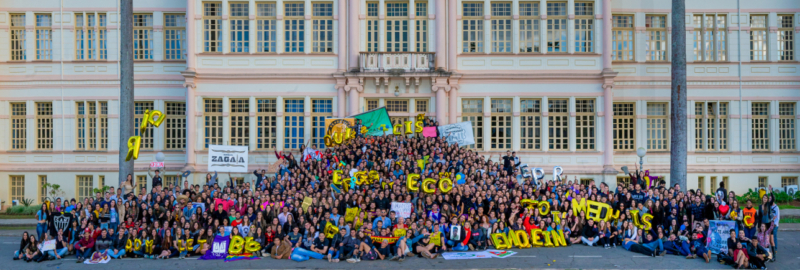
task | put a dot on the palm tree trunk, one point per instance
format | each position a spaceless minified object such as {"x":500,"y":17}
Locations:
{"x":678,"y":135}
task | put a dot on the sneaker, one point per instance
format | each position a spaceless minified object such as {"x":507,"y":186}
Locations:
{"x":402,"y":258}
{"x":358,"y":259}
{"x":351,"y":260}
{"x":663,"y":252}
{"x":329,"y":257}
{"x":394,"y":258}
{"x":335,"y":260}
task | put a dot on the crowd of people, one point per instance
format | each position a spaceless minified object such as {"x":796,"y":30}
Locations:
{"x":486,"y":201}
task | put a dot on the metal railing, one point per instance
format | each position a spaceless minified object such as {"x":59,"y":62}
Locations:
{"x":387,"y":61}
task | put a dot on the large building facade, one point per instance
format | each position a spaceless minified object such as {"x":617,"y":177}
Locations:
{"x":576,"y":84}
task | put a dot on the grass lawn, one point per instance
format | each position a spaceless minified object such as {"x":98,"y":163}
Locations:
{"x":19,"y":228}
{"x":790,"y":220}
{"x":4,"y":216}
{"x":788,"y":207}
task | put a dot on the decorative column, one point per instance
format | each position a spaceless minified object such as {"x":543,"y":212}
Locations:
{"x":452,"y":31}
{"x":545,"y":124}
{"x":191,"y":118}
{"x":191,"y":42}
{"x":340,"y":100}
{"x":440,"y":103}
{"x":341,"y":51}
{"x":607,"y":37}
{"x":354,"y":34}
{"x":608,"y":127}
{"x":353,"y":87}
{"x":440,"y":22}
{"x":453,"y":105}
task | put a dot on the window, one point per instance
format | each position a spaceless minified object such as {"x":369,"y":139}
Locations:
{"x":786,"y":37}
{"x":294,"y":27}
{"x":584,"y":27}
{"x":723,"y":126}
{"x":266,"y":23}
{"x":17,"y":187}
{"x":584,"y":124}
{"x":758,"y":37}
{"x":762,"y":181}
{"x":294,"y":124}
{"x":788,"y":181}
{"x":711,"y":124}
{"x":657,"y":126}
{"x":90,"y":36}
{"x":624,"y":126}
{"x":656,"y":37}
{"x":91,"y":128}
{"x":240,"y":122}
{"x":501,"y":27}
{"x":557,"y":26}
{"x":139,"y":109}
{"x":80,"y":36}
{"x":530,"y":124}
{"x":622,"y":38}
{"x":558,"y":124}
{"x":529,"y":27}
{"x":42,"y":188}
{"x":141,"y":183}
{"x":240,"y":27}
{"x":725,"y":182}
{"x":142,"y":36}
{"x":586,"y":181}
{"x":19,"y":126}
{"x":323,"y":27}
{"x":44,"y":37}
{"x":175,"y":138}
{"x":472,"y":110}
{"x":81,"y":112}
{"x":395,"y":105}
{"x":44,"y":125}
{"x":85,"y":187}
{"x":760,"y":112}
{"x":421,"y":105}
{"x":421,"y":22}
{"x":501,"y":124}
{"x":102,"y":37}
{"x":321,"y":109}
{"x":710,"y":37}
{"x":101,"y":181}
{"x":175,"y":36}
{"x":699,"y":126}
{"x":171,"y":180}
{"x":87,"y":121}
{"x":472,"y":31}
{"x":213,"y":121}
{"x":372,"y":27}
{"x":786,"y":122}
{"x":701,"y":184}
{"x":372,"y":104}
{"x":212,"y":27}
{"x":267,"y":132}
{"x":18,"y":43}
{"x":396,"y":27}
{"x":623,"y":181}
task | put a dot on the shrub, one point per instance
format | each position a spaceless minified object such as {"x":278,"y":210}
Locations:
{"x":31,"y":210}
{"x":15,"y":210}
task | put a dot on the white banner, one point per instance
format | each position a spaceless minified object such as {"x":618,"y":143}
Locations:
{"x":460,"y":133}
{"x":401,"y":209}
{"x":224,"y":158}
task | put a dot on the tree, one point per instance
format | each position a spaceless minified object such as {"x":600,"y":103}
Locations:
{"x":125,"y":87}
{"x":677,"y":162}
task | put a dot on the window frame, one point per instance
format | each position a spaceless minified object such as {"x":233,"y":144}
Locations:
{"x":18,"y":45}
{"x":788,"y":181}
{"x":144,"y":39}
{"x":624,"y":137}
{"x":763,"y":42}
{"x":786,"y":37}
{"x":266,"y":123}
{"x":213,"y":122}
{"x":656,"y":35}
{"x":701,"y":37}
{"x":501,"y":27}
{"x":147,"y":142}
{"x":294,"y":26}
{"x":470,"y":114}
{"x":561,"y":21}
{"x":498,"y":115}
{"x":421,"y":26}
{"x":267,"y":27}
{"x":212,"y":27}
{"x":558,"y":123}
{"x":239,"y":27}
{"x":530,"y":25}
{"x":322,"y":29}
{"x":476,"y":23}
{"x":239,"y":119}
{"x":530,"y":119}
{"x":318,"y":120}
{"x":787,"y":138}
{"x":43,"y":35}
{"x":87,"y":190}
{"x":586,"y":20}
{"x":373,"y":27}
{"x":19,"y":126}
{"x":299,"y":124}
{"x":762,"y":121}
{"x":397,"y":29}
{"x":585,"y":124}
{"x":176,"y":37}
{"x":42,"y":183}
{"x":626,"y":35}
{"x":658,"y":124}
{"x":44,"y":125}
{"x":175,"y":130}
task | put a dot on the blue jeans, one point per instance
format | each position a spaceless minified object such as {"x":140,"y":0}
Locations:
{"x":61,"y":252}
{"x":41,"y":229}
{"x":750,"y":232}
{"x":87,"y":253}
{"x":701,"y":251}
{"x":655,"y":244}
{"x":334,"y":254}
{"x":113,"y":225}
{"x":775,"y":237}
{"x":301,"y":254}
{"x":117,"y":255}
{"x":457,"y":246}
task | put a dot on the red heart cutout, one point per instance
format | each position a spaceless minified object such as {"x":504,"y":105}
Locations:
{"x":724,"y":208}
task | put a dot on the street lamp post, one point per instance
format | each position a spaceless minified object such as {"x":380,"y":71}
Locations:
{"x":641,"y":152}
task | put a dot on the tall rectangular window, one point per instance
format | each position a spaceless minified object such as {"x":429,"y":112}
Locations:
{"x":240,"y":122}
{"x":786,"y":37}
{"x":175,"y":138}
{"x":321,"y":109}
{"x":44,"y":37}
{"x":372,"y":27}
{"x":760,"y":112}
{"x":396,"y":27}
{"x":529,"y":33}
{"x":80,"y":125}
{"x":472,"y":111}
{"x":699,"y":126}
{"x":472,"y":27}
{"x":90,"y":36}
{"x":557,"y":26}
{"x":240,"y":27}
{"x":102,"y":37}
{"x":624,"y":126}
{"x":584,"y":27}
{"x":266,"y":23}
{"x":139,"y":108}
{"x":786,"y":122}
{"x":85,"y":186}
{"x":294,"y":27}
{"x":91,"y":126}
{"x":421,"y":25}
{"x":322,"y":21}
{"x":141,"y":183}
{"x":80,"y":36}
{"x":42,"y":189}
{"x":723,"y":126}
{"x":656,"y":26}
{"x":212,"y":115}
{"x":421,"y":105}
{"x":212,"y":26}
{"x":710,"y":37}
{"x":102,"y":118}
{"x":558,"y":124}
{"x":585,"y":124}
{"x":622,"y":38}
{"x":17,"y":187}
{"x":530,"y":124}
{"x":44,"y":125}
{"x":171,"y":180}
{"x":267,"y":125}
{"x":19,"y":126}
{"x":372,"y":104}
{"x":758,"y":37}
{"x":174,"y":36}
{"x":501,"y":27}
{"x":711,"y":123}
{"x":17,"y":32}
{"x":294,"y":123}
{"x":762,"y":181}
{"x":501,"y":124}
{"x":657,"y":126}
{"x":142,"y":36}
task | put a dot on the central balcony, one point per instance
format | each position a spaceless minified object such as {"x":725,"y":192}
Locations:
{"x":395,"y":61}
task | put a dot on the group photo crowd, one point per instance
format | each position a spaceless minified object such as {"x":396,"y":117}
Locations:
{"x":339,"y":203}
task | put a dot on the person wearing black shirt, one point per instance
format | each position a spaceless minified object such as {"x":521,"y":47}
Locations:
{"x":320,"y":244}
{"x":589,"y":234}
{"x":508,"y":162}
{"x":156,"y":180}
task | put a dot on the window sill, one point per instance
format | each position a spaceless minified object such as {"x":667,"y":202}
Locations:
{"x":173,"y":61}
{"x":90,"y":151}
{"x":89,"y":61}
{"x":144,"y":60}
{"x":623,"y":62}
{"x":209,"y":53}
{"x":43,"y":60}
